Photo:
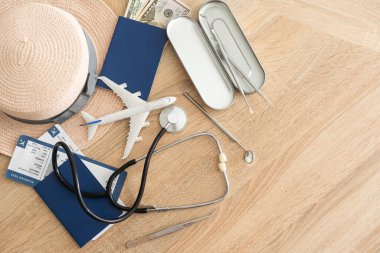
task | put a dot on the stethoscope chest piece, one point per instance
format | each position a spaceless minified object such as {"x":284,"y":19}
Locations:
{"x":173,"y":118}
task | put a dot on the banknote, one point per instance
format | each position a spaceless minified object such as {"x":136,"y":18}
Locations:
{"x":134,"y":8}
{"x":160,"y":12}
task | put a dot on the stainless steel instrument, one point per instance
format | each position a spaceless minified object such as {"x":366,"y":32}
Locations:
{"x":249,"y":156}
{"x":165,"y":231}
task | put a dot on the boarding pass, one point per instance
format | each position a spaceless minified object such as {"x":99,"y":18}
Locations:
{"x":31,"y":163}
{"x":57,"y":134}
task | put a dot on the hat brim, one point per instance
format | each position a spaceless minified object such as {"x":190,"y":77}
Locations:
{"x":99,"y":22}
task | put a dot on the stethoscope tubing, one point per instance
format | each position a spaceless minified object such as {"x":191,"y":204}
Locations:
{"x":79,"y":196}
{"x":108,"y":193}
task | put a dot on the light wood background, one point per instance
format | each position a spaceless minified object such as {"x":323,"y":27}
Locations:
{"x":315,"y":186}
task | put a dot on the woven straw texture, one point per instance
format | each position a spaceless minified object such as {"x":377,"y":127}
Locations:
{"x":99,"y":22}
{"x":42,"y":68}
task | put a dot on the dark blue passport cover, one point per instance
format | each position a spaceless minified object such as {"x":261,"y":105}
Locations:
{"x":65,"y":206}
{"x":134,"y":55}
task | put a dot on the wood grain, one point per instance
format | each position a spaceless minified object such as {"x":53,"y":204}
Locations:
{"x":315,"y":185}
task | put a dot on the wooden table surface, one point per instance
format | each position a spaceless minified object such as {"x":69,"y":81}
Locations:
{"x":315,"y":186}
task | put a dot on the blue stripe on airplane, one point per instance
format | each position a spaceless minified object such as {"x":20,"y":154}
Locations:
{"x":92,"y":123}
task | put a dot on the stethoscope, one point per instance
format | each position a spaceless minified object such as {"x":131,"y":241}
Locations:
{"x":172,"y":119}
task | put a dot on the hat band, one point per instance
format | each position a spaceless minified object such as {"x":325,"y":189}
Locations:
{"x":72,"y":110}
{"x":83,"y":97}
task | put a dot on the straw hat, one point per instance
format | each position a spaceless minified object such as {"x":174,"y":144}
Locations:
{"x":44,"y":64}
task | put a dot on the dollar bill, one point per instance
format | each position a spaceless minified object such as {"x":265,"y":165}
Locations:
{"x":135,"y":7}
{"x":160,"y":12}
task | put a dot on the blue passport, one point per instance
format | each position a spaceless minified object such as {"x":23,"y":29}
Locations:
{"x":65,"y":206}
{"x":134,"y":55}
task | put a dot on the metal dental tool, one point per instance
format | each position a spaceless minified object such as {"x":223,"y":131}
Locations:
{"x":231,"y":62}
{"x":249,"y":156}
{"x":246,"y":77}
{"x":165,"y":231}
{"x":226,"y":58}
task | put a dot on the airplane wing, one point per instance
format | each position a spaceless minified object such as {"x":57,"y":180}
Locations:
{"x":136,"y":124}
{"x":129,"y":99}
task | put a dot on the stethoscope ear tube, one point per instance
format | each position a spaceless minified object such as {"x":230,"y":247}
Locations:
{"x":79,"y":195}
{"x":72,"y":165}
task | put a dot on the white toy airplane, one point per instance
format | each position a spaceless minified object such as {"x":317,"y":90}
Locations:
{"x":138,"y":110}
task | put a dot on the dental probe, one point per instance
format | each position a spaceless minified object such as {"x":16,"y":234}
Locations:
{"x":249,"y":155}
{"x":246,"y":77}
{"x":225,"y":56}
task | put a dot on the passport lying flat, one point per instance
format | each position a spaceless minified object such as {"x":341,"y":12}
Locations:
{"x":134,"y":55}
{"x":65,"y":206}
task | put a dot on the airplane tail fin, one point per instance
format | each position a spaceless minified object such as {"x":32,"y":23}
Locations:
{"x":91,"y":129}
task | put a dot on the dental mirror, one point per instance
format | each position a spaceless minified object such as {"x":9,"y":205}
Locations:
{"x":249,"y":157}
